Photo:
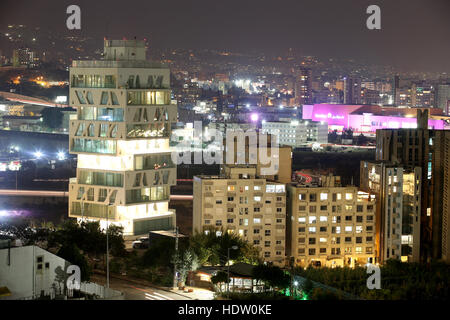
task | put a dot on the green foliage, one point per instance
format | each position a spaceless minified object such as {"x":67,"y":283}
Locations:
{"x":322,"y":294}
{"x":71,"y":253}
{"x":185,"y":262}
{"x":307,"y":287}
{"x":88,"y":237}
{"x":272,"y":277}
{"x":399,"y":281}
{"x":213,"y":250}
{"x":220,"y":277}
{"x":52,"y":117}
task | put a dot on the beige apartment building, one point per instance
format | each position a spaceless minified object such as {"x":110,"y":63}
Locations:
{"x":241,"y":202}
{"x":330,"y":225}
{"x":428,"y":149}
{"x":397,"y":192}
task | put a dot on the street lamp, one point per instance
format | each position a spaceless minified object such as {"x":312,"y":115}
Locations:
{"x":107,"y":247}
{"x":228,"y":273}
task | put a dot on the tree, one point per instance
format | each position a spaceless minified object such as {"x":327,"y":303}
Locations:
{"x":72,"y":254}
{"x":219,"y":278}
{"x":272,"y":277}
{"x":185,"y":262}
{"x":307,"y":287}
{"x":52,"y":117}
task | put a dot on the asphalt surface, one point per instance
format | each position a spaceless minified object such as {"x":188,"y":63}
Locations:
{"x":134,"y":291}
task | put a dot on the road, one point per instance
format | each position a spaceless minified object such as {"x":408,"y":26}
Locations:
{"x":134,"y":291}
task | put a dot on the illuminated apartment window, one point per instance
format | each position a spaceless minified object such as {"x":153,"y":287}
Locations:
{"x":323,"y":196}
{"x":323,"y":240}
{"x":256,"y":220}
{"x":257,"y":198}
{"x":312,"y":220}
{"x":312,"y":229}
{"x":323,"y":218}
{"x":348,"y":229}
{"x":349,"y":196}
{"x":230,"y":188}
{"x":358,"y":249}
{"x":302,"y":196}
{"x":359,"y":229}
{"x":302,"y":220}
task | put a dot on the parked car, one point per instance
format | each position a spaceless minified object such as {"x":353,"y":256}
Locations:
{"x":141,"y":243}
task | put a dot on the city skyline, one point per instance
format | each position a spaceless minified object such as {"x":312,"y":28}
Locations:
{"x":409,"y":29}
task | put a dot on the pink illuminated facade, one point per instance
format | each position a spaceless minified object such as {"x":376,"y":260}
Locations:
{"x":367,"y":119}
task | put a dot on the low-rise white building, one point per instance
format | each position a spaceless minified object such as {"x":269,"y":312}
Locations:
{"x":297,"y":133}
{"x":30,"y":272}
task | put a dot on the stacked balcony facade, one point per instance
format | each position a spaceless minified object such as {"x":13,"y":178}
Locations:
{"x":121,"y":137}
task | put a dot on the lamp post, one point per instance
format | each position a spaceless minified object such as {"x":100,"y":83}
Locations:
{"x":228,"y":272}
{"x":107,"y":247}
{"x":175,"y":277}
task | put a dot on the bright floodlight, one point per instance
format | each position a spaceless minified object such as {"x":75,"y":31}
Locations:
{"x":38,"y":154}
{"x":61,"y":155}
{"x":254,"y":117}
{"x":295,"y":283}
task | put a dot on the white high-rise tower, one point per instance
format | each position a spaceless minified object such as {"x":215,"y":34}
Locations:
{"x":121,"y":135}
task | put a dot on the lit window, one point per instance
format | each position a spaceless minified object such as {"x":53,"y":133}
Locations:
{"x":312,"y":229}
{"x":323,"y":196}
{"x":302,"y":219}
{"x":322,"y":240}
{"x":256,"y":220}
{"x":349,"y":196}
{"x":348,"y":228}
{"x":323,"y":218}
{"x":312,"y":219}
{"x":230,"y":188}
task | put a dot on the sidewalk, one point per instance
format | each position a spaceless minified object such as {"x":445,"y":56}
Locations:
{"x":197,"y":294}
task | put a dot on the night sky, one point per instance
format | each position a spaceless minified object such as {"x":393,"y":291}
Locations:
{"x":415,"y":34}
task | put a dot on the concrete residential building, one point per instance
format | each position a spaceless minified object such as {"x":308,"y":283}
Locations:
{"x":240,"y":202}
{"x":443,"y":98}
{"x":397,"y":193}
{"x":297,"y":133}
{"x":429,"y":150}
{"x":121,"y":136}
{"x":330,"y":225}
{"x":303,"y":87}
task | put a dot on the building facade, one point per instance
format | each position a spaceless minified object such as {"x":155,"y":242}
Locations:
{"x":397,"y":192}
{"x":330,"y":225}
{"x":429,"y":150}
{"x":297,"y":133}
{"x":240,"y":202}
{"x":121,"y":136}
